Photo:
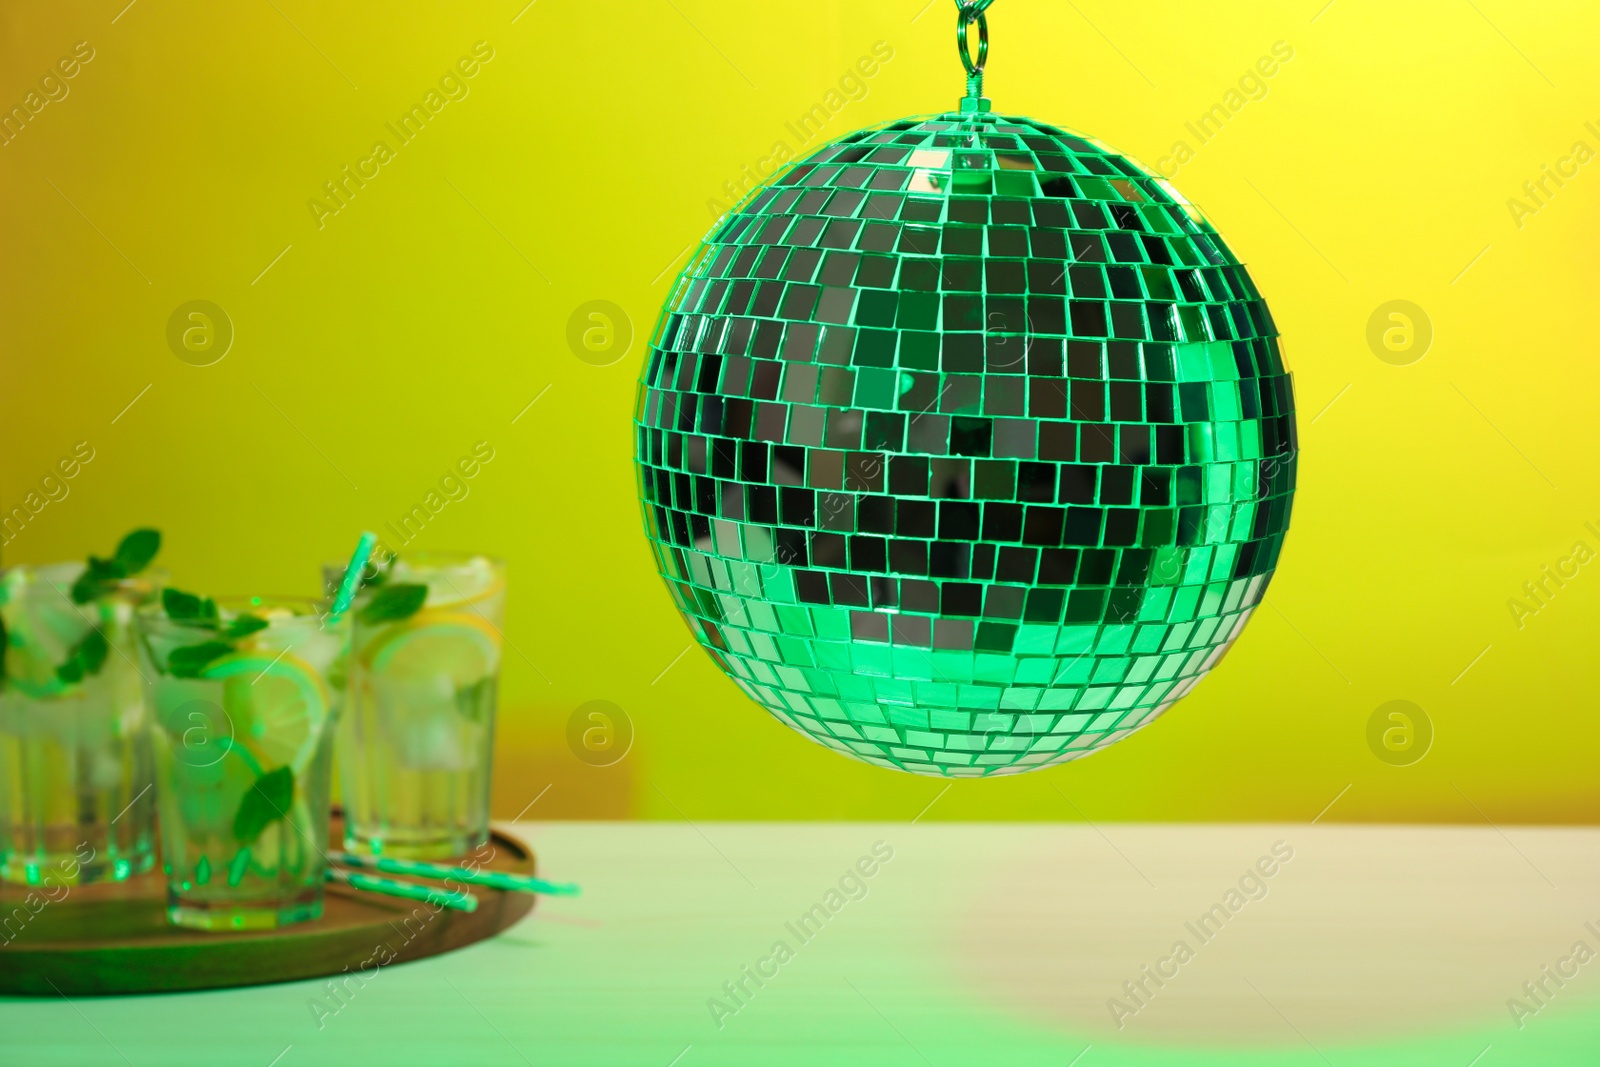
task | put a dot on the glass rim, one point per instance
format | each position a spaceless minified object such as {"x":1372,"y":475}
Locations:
{"x":61,"y":574}
{"x":66,"y":566}
{"x":428,"y":556}
{"x":75,"y":567}
{"x":302,"y":609}
{"x":425,"y":562}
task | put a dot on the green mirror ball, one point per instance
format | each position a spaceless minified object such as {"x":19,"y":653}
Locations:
{"x":965,"y":445}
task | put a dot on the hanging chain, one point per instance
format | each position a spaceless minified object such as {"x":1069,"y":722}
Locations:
{"x":967,"y":13}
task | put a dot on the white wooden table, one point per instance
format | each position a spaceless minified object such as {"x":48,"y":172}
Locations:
{"x":944,"y":944}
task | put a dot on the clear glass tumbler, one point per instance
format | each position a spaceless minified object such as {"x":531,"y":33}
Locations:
{"x":76,"y":804}
{"x":244,"y":704}
{"x":416,"y":744}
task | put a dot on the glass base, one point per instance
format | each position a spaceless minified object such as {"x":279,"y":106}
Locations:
{"x":224,"y":915}
{"x":414,"y":846}
{"x":32,"y":869}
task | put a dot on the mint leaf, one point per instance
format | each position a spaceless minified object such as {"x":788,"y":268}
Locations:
{"x":5,"y":643}
{"x":187,"y":607}
{"x":136,"y":550}
{"x":134,"y":553}
{"x":97,"y":576}
{"x":372,"y":577}
{"x":86,"y":658}
{"x":92,"y":651}
{"x":393,"y":602}
{"x":243,"y":626}
{"x":264,"y":804}
{"x":189,"y":660}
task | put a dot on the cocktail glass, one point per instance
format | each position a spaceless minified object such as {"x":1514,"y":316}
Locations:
{"x":76,"y":804}
{"x":416,"y":743}
{"x":246,"y":693}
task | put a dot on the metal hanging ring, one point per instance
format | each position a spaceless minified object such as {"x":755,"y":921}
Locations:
{"x":968,"y":12}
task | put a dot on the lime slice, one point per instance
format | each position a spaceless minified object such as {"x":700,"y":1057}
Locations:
{"x":278,"y":706}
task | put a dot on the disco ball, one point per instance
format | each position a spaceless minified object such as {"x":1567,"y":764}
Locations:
{"x":965,"y":445}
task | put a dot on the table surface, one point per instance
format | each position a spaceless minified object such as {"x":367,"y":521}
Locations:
{"x":767,"y":944}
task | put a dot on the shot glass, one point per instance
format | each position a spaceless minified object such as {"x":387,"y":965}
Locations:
{"x":416,"y":743}
{"x":245,"y":697}
{"x":76,"y":804}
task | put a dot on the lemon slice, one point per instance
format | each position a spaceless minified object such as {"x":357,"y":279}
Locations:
{"x":278,"y":707}
{"x":458,"y":648}
{"x":457,"y":585}
{"x":431,"y":681}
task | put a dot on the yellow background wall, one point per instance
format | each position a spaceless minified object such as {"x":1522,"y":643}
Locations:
{"x":375,"y":346}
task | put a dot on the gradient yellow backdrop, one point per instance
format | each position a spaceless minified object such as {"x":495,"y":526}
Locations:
{"x":375,"y":346}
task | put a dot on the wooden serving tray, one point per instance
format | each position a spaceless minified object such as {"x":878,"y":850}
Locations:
{"x":114,"y":938}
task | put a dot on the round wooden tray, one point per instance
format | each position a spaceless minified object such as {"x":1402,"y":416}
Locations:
{"x":114,"y":938}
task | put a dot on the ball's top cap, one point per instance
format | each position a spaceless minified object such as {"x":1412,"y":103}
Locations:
{"x":972,"y":167}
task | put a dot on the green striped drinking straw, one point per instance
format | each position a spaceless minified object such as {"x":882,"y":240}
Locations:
{"x":516,"y":883}
{"x":405,"y":890}
{"x":352,"y":575}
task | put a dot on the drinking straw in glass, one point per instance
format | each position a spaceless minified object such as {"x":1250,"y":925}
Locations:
{"x":415,"y":745}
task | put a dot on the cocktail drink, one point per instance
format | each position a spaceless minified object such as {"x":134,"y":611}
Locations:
{"x":415,"y":746}
{"x":246,"y":693}
{"x":76,"y":804}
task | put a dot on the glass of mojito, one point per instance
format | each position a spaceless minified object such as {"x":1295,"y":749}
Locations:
{"x":76,"y":804}
{"x":415,"y":747}
{"x":246,"y":693}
